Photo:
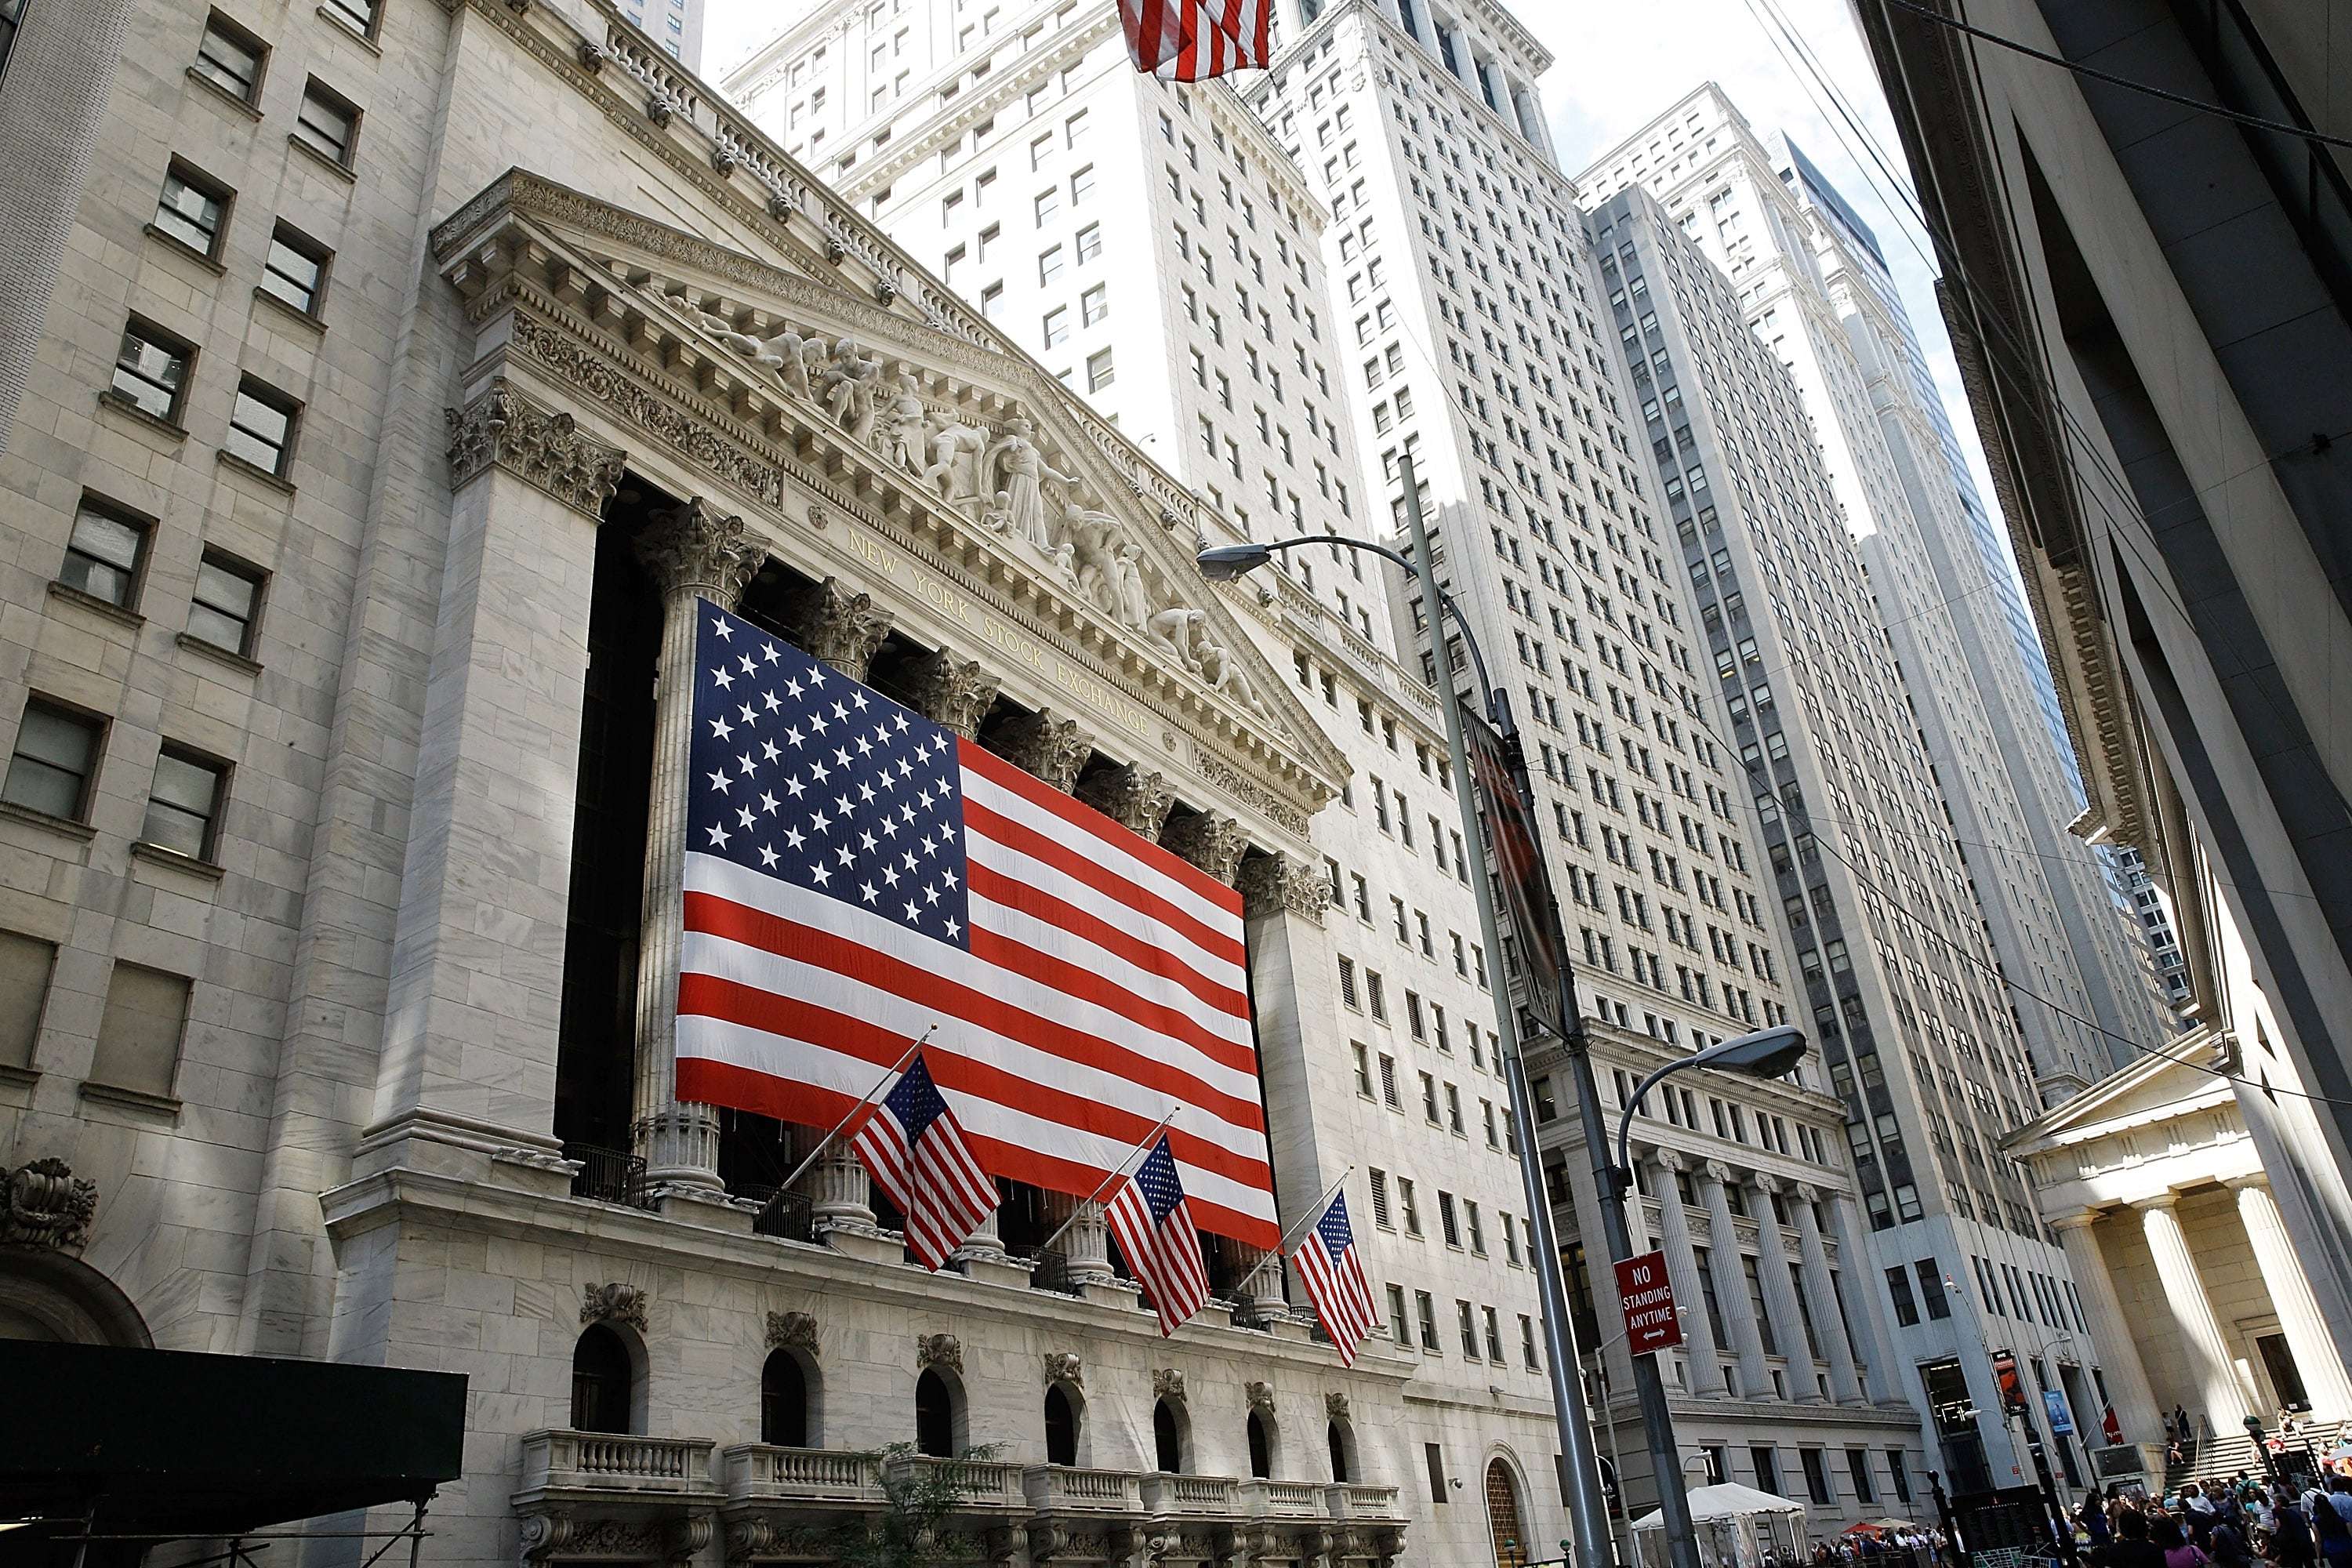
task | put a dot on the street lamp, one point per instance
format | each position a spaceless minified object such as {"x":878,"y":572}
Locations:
{"x":1766,"y":1053}
{"x":1588,"y":1505}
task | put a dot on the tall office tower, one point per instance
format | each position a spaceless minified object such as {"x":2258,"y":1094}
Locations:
{"x":1900,"y":978}
{"x":1467,"y":319}
{"x":675,"y":24}
{"x":1813,"y":284}
{"x":1149,"y":245}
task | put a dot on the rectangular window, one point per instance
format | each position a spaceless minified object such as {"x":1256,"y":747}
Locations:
{"x":1399,"y":1327}
{"x":261,"y":427}
{"x":230,"y":59}
{"x":1364,"y":1069}
{"x":296,"y":270}
{"x":359,"y":16}
{"x":1429,"y":1097}
{"x":1381,"y":1199}
{"x":1756,"y":1305}
{"x":1425,"y":1307}
{"x":1931,"y":1288}
{"x":1816,"y":1476}
{"x":1528,"y":1343}
{"x":184,"y":806}
{"x":1048,"y":205}
{"x":1493,"y":1328}
{"x":1767,"y":1468}
{"x":104,"y":553}
{"x":1449,"y":1225}
{"x":1082,"y":185}
{"x":1857,"y":1469}
{"x":1898,"y":1475}
{"x":25,"y":964}
{"x":1089,"y":243}
{"x":1466,"y":1320}
{"x":150,"y":369}
{"x":227,"y":598}
{"x":1898,"y":1286}
{"x":192,"y":210}
{"x":1057,"y":326}
{"x":55,"y":759}
{"x":1099,"y":371}
{"x":1094,"y":304}
{"x":328,"y":123}
{"x":1389,"y":1083}
{"x":138,"y":1032}
{"x":1412,"y":1209}
{"x":1049,"y":266}
{"x":1478,"y":1230}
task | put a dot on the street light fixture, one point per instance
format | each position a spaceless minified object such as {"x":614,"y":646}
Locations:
{"x":1765,"y":1053}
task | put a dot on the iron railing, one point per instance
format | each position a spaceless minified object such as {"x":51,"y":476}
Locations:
{"x":608,"y":1175}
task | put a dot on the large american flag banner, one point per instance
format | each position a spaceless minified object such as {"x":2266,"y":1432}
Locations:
{"x":915,"y":1152}
{"x":854,"y":874}
{"x":1192,"y":40}
{"x":1154,"y":1223}
{"x":1333,"y":1278}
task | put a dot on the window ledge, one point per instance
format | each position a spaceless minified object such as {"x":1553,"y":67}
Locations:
{"x":242,"y":106}
{"x":133,"y":1099}
{"x":235,"y":661}
{"x":158,"y":854}
{"x":96,"y":606}
{"x":253,"y":471}
{"x":63,"y":825}
{"x":186,"y":252}
{"x":115,"y":401}
{"x":340,"y":171}
{"x":345,"y":28}
{"x":294,"y":312}
{"x":17,"y":1075}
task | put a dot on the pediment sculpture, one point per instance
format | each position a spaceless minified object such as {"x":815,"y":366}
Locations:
{"x":997,"y":477}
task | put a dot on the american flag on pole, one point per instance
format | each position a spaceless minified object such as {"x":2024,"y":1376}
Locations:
{"x":855,"y":873}
{"x":1192,"y":40}
{"x":1153,"y":1222}
{"x":1334,"y":1276}
{"x":915,"y":1152}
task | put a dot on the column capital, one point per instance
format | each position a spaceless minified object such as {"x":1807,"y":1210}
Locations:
{"x":1047,"y":748}
{"x":953,"y":693}
{"x":2081,"y":1219}
{"x":1765,"y":1183}
{"x":1810,"y":1193}
{"x":1213,"y":844}
{"x":1715,"y":1170}
{"x":840,"y":627}
{"x":1137,"y":800}
{"x":692,"y":549}
{"x":2164,"y":1201}
{"x":1671,"y":1161}
{"x":501,"y":429}
{"x":1271,"y":884}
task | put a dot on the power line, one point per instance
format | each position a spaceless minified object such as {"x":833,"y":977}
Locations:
{"x":2282,"y":127}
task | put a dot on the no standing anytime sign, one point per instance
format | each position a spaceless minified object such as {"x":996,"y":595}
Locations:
{"x":1648,"y":1300}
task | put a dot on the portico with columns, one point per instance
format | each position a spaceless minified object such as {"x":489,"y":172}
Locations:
{"x":2190,"y":1275}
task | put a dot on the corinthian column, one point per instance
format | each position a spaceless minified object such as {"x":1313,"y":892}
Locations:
{"x":1880,"y":1383}
{"x":1731,"y":1283}
{"x":1700,"y":1351}
{"x":692,"y":554}
{"x":2299,"y":1308}
{"x":2210,"y":1365}
{"x":1827,"y":1317}
{"x":1781,"y":1290}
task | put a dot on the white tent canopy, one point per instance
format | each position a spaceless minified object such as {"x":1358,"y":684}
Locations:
{"x":1729,"y":1501}
{"x":1735,"y":1526}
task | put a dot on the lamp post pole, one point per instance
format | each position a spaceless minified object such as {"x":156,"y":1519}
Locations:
{"x":1588,"y":1505}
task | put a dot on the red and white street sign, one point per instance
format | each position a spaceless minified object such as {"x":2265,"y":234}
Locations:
{"x":1647,"y":1297}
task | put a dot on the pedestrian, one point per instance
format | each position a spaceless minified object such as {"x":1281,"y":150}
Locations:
{"x":2291,"y":1542}
{"x":2339,"y":1496}
{"x":2180,"y":1551}
{"x":2131,"y":1547}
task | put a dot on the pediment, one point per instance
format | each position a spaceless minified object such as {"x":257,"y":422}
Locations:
{"x":970,"y":456}
{"x":2152,"y":1090}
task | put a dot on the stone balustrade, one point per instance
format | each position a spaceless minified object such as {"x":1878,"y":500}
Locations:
{"x":558,"y":1460}
{"x":1204,"y":1497}
{"x":763,"y":1472}
{"x":1280,"y":1500}
{"x":1065,"y":1489}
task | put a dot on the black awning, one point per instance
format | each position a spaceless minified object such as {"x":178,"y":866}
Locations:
{"x":173,"y":1443}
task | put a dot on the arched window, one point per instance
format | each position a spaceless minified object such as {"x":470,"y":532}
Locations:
{"x":1167,"y":1437}
{"x":601,"y":1373}
{"x":1260,"y":1446}
{"x":934,"y":1416}
{"x":1503,"y":1517}
{"x":1061,"y":1428}
{"x":784,"y":1400}
{"x":1337,"y":1437}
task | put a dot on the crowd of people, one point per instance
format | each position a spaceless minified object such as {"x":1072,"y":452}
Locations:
{"x":2236,"y":1524}
{"x":1880,"y":1548}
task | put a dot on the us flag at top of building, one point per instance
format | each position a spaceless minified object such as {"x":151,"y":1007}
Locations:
{"x":855,"y":873}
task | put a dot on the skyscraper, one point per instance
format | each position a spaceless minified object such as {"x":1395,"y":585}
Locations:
{"x":1813,"y":285}
{"x":1903,"y":988}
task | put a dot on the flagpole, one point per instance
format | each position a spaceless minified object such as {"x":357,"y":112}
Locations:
{"x":1117,"y":1172}
{"x":827,"y":1141}
{"x":1282,"y":1247}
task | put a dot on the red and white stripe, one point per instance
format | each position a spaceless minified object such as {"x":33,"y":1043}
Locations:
{"x":1105,"y":983}
{"x":1341,"y":1295}
{"x":941,"y":1190}
{"x":1165,"y":1257}
{"x":1192,"y":40}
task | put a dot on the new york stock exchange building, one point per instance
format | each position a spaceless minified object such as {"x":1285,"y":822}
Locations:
{"x":343,"y":898}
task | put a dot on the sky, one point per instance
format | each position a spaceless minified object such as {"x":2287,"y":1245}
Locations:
{"x":1618,"y":66}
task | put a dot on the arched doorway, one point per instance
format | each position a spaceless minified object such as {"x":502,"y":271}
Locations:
{"x":1167,"y":1439}
{"x":1061,"y":1427}
{"x":784,"y":1400}
{"x":1336,"y":1436}
{"x":602,"y":1373}
{"x":1261,"y":1447}
{"x":1503,"y":1517}
{"x":934,"y":1416}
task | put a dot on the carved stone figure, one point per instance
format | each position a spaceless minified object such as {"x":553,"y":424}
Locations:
{"x":1131,"y":604}
{"x":1334,"y":1405}
{"x":1172,"y":630}
{"x":1063,"y":1366}
{"x":849,"y":386}
{"x":939,"y":1350}
{"x":1014,"y":465}
{"x":1260,"y":1396}
{"x":998,"y":519}
{"x":783,"y":353}
{"x":904,"y":425}
{"x":956,"y":448}
{"x":1224,"y":672}
{"x":794,"y":1330}
{"x":1168,"y":1383}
